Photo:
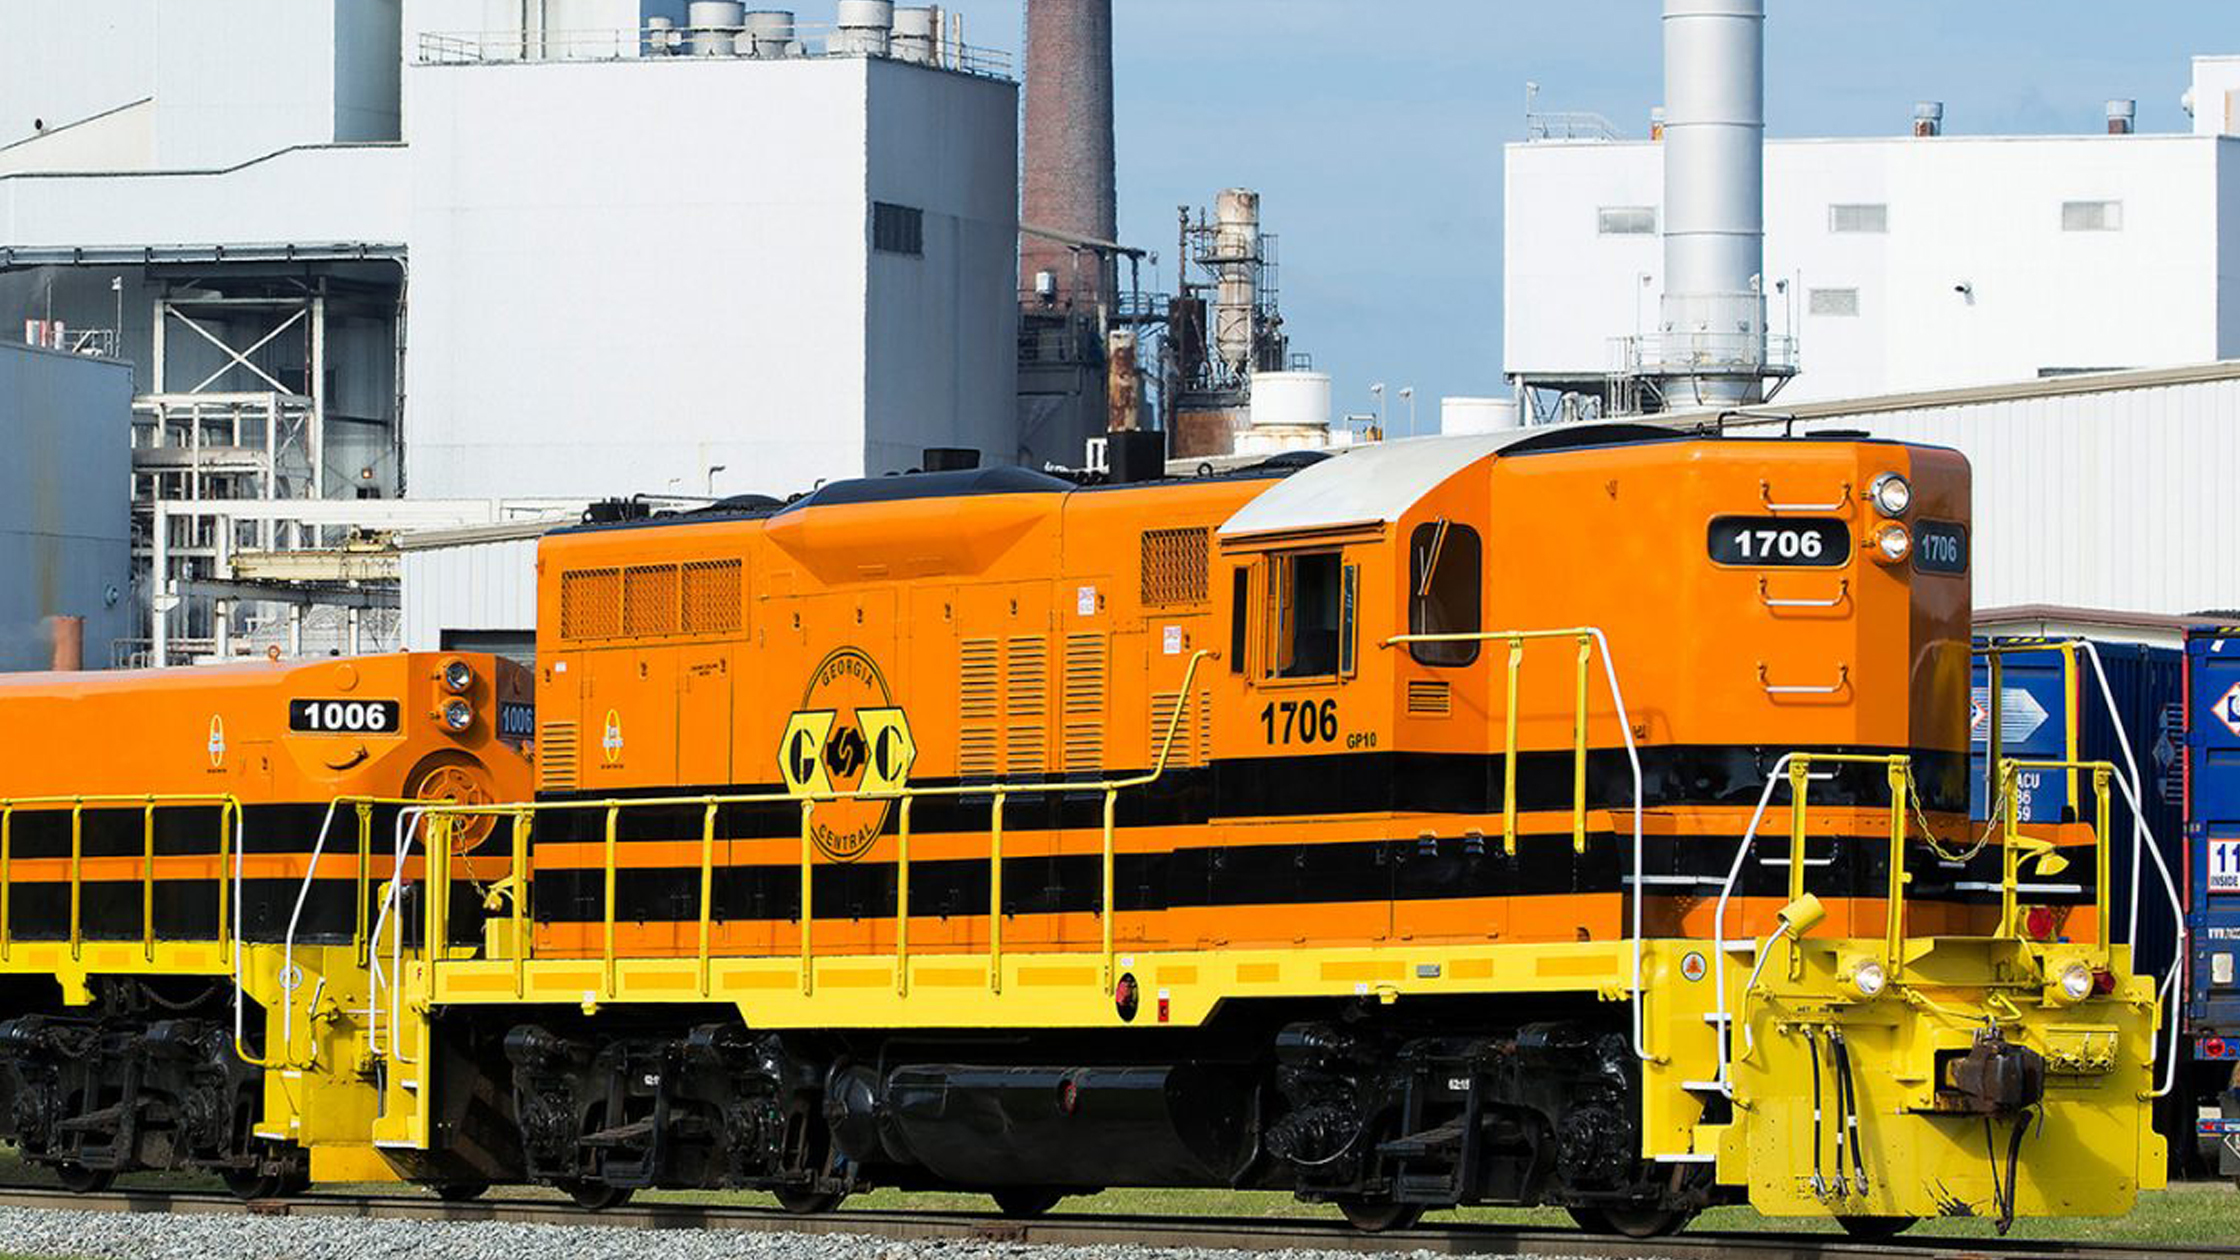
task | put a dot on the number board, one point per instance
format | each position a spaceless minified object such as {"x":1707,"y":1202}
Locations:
{"x":344,"y":717}
{"x":1815,"y":542}
{"x":2224,"y":865}
{"x":1940,"y":547}
{"x":516,"y":720}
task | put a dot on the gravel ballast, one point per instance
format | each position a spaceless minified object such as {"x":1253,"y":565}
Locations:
{"x":157,"y":1236}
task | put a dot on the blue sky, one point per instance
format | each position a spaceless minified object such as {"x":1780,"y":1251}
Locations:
{"x":1373,"y":131}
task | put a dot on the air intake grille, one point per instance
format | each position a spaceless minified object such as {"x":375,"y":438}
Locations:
{"x":1429,"y":699}
{"x":1193,"y":737}
{"x":1174,"y":567}
{"x":591,"y":603}
{"x":1082,"y":703}
{"x":557,"y":768}
{"x":649,"y":600}
{"x":711,"y":596}
{"x":1026,"y":706}
{"x":979,"y":661}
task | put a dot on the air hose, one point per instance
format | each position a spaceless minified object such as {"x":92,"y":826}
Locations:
{"x":1848,"y":1102}
{"x":1819,"y":1182}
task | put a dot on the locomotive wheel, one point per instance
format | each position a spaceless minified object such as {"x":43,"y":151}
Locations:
{"x":595,"y":1196}
{"x":248,"y":1183}
{"x":1876,"y":1228}
{"x":809,"y":1202}
{"x":460,"y":1191}
{"x":79,"y":1179}
{"x":1021,"y":1202}
{"x":1631,"y":1222}
{"x":1375,"y":1216}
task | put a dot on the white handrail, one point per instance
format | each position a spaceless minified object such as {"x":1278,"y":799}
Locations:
{"x":289,"y":979}
{"x":1722,"y":1026}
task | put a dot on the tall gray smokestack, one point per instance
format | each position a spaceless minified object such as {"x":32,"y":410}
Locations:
{"x":1067,"y":180}
{"x":1713,"y":314}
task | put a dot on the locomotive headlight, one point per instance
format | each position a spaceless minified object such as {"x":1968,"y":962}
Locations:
{"x":458,"y":715}
{"x":2074,"y":984}
{"x":1868,"y":977}
{"x":458,"y":676}
{"x":1892,"y":544}
{"x":1892,"y":494}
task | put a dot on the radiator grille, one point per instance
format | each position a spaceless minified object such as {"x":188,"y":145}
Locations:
{"x":1174,"y":567}
{"x":1429,"y":699}
{"x":1081,"y":705}
{"x":590,"y":603}
{"x":557,"y":769}
{"x":711,"y":596}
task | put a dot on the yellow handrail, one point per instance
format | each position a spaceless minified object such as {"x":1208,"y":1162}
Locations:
{"x":2010,"y":772}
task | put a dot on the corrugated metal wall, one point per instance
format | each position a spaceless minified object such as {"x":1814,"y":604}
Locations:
{"x":2124,"y":499}
{"x":488,"y":586}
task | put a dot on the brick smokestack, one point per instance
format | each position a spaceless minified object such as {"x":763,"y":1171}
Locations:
{"x":1067,"y":180}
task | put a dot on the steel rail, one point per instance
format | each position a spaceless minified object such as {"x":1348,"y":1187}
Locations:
{"x":1060,"y":1229}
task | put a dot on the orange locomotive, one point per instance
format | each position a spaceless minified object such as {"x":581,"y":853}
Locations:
{"x":157,"y":836}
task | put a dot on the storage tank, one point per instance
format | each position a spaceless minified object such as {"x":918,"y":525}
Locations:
{"x":1477,"y":415}
{"x":863,"y":28}
{"x":715,"y":26}
{"x":1236,"y":249}
{"x":917,"y":35}
{"x":1290,"y":411}
{"x":1205,"y":431}
{"x":769,"y":33}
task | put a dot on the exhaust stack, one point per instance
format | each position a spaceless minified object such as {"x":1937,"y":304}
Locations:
{"x":1067,"y":176}
{"x":1713,"y":313}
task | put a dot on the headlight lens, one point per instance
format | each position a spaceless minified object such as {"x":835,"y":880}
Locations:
{"x":1868,"y":978}
{"x":2076,"y":982}
{"x":1892,"y":544}
{"x":458,"y":714}
{"x":458,"y":676}
{"x":1893,"y":494}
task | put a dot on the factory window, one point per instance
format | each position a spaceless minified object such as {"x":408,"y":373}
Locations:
{"x":1832,"y":302}
{"x":2091,"y":216}
{"x":898,"y":229}
{"x":1444,"y":562}
{"x":1863,"y":217}
{"x":1625,"y":220}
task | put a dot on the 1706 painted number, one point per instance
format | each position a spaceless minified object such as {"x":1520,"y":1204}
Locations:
{"x":1300,"y":721}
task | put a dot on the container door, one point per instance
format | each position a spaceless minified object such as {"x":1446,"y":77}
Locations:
{"x":2213,"y":833}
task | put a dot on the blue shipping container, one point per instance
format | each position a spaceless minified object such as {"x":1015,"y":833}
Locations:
{"x":2051,"y":708}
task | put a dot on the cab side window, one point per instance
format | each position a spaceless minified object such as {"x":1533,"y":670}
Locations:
{"x":1446,"y":568}
{"x":1309,"y":615}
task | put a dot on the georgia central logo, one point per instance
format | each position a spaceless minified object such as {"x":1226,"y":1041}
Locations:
{"x":847,"y":740}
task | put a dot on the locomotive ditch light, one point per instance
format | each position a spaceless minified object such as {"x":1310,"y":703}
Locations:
{"x":1892,"y":544}
{"x":2072,"y":984}
{"x":457,"y":714}
{"x":1868,"y":978}
{"x":1892,"y":494}
{"x":458,"y":676}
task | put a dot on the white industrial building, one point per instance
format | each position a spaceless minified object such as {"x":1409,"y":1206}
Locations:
{"x":1900,"y":263}
{"x":486,"y":257}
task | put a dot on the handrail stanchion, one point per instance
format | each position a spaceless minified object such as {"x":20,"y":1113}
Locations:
{"x":1509,"y":752}
{"x":365,"y":875}
{"x":229,"y":821}
{"x":707,"y":887}
{"x":77,"y":886}
{"x":148,"y":880}
{"x":1800,"y":786}
{"x":7,"y":889}
{"x":1579,"y":748}
{"x":1894,"y":909}
{"x":436,"y":920}
{"x":2103,"y":889}
{"x":524,"y":822}
{"x":808,"y":900}
{"x":2010,"y":837}
{"x":995,"y":889}
{"x":614,"y":813}
{"x":1106,"y":907}
{"x":902,"y":897}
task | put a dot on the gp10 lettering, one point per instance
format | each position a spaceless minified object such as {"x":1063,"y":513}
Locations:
{"x":1780,"y":541}
{"x":1300,"y":721}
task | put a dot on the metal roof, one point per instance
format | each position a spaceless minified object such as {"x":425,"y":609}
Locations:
{"x":1364,"y":485}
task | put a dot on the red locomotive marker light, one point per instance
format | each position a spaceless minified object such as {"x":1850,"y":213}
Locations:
{"x":2039,"y":923}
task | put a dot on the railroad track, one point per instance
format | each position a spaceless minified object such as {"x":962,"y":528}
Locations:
{"x":1103,"y":1231}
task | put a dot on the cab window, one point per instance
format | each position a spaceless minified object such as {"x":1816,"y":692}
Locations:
{"x":1445,"y":567}
{"x":1307,"y":595}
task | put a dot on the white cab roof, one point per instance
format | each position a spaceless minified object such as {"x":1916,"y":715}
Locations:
{"x":1369,"y":484}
